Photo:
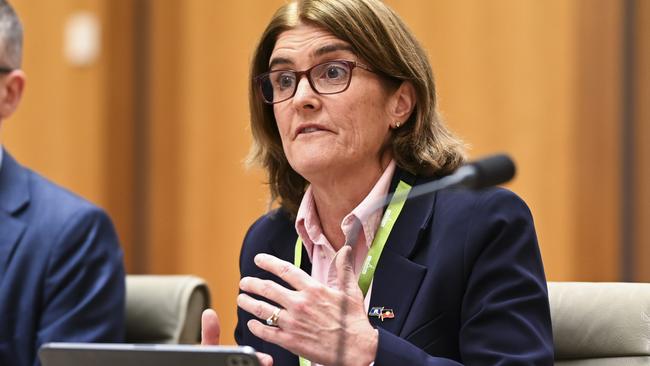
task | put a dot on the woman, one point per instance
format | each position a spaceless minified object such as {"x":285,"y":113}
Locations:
{"x":343,"y":113}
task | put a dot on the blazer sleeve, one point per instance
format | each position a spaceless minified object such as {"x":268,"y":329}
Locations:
{"x":505,"y":315}
{"x":84,"y":290}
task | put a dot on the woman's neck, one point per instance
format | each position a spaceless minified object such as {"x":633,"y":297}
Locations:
{"x":336,"y":198}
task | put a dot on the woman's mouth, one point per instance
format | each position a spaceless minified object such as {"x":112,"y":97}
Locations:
{"x":310,"y":129}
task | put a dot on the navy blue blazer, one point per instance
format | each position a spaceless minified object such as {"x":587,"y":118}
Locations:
{"x":461,"y":270}
{"x":61,"y":269}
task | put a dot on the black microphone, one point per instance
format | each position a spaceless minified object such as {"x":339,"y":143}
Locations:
{"x":487,"y":172}
{"x":483,"y":173}
{"x":491,"y":171}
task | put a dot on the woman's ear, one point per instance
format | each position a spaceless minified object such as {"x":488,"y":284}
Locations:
{"x":402,"y":104}
{"x":11,"y":92}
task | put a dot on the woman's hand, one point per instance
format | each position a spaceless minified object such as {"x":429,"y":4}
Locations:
{"x":325,"y":325}
{"x":211,"y":330}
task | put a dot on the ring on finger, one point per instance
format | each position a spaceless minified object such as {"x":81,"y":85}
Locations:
{"x":273,"y":319}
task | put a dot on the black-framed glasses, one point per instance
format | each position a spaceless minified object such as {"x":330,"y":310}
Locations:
{"x":331,"y":77}
{"x":5,"y":70}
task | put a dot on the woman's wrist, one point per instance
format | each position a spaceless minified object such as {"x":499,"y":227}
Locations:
{"x":370,"y":349}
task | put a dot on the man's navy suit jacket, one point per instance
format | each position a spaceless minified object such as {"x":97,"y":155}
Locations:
{"x":61,"y":269}
{"x":461,"y":270}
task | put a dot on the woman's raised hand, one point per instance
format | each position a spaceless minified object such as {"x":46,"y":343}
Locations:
{"x":325,"y":325}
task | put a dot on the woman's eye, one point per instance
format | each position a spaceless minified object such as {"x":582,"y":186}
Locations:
{"x":284,"y":81}
{"x":335,"y":72}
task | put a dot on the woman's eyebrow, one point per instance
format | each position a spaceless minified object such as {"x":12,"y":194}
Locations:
{"x":318,"y":53}
{"x":279,"y":61}
{"x":333,"y":48}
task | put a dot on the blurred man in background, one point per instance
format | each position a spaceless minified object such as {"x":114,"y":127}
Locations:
{"x":61,"y":268}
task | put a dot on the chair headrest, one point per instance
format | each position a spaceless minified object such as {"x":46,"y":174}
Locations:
{"x":600,"y":319}
{"x":165,"y":308}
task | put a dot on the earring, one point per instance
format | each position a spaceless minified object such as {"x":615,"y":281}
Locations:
{"x":397,"y":124}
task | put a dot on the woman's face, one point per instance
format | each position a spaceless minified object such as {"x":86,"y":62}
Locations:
{"x":327,"y":135}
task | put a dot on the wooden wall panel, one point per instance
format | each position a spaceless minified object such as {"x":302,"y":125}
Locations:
{"x":163,"y":126}
{"x":505,"y":74}
{"x":118,"y":123}
{"x":542,"y":81}
{"x":202,"y":199}
{"x":597,"y":145}
{"x":642,"y":140}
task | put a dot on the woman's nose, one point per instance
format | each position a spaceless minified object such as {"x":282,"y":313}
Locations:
{"x":305,"y":96}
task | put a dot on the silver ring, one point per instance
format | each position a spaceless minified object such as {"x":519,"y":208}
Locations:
{"x":273,"y":319}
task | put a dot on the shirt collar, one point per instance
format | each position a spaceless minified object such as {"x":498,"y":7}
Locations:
{"x":308,"y":224}
{"x":367,"y":211}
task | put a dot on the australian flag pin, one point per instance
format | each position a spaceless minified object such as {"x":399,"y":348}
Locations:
{"x":381,"y":313}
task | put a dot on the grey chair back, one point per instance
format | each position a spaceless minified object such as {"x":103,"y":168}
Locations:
{"x":600,"y":324}
{"x":165,"y":308}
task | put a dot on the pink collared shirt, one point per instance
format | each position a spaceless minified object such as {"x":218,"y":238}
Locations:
{"x":321,"y":253}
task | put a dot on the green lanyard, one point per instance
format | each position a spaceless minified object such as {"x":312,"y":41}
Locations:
{"x":370,"y":264}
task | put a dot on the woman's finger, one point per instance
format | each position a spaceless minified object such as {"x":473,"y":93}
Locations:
{"x":292,"y":275}
{"x":265,"y":360}
{"x":261,"y":309}
{"x":210,"y":328}
{"x":347,"y":279}
{"x":267,"y":289}
{"x":271,"y":334}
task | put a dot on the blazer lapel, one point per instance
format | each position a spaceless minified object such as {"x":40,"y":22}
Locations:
{"x":395,"y":285}
{"x":11,"y":230}
{"x":14,"y":185}
{"x":14,"y":196}
{"x":397,"y":279}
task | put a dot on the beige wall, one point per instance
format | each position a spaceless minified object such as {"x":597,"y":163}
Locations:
{"x":538,"y":79}
{"x":492,"y":61}
{"x":201,"y":199}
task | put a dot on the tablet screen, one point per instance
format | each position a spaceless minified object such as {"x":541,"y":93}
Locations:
{"x":114,"y":354}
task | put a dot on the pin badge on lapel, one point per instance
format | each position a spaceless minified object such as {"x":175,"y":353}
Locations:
{"x":381,"y":313}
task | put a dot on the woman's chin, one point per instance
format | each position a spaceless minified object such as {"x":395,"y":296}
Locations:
{"x":312,"y":166}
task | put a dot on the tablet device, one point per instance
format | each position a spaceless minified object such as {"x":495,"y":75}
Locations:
{"x":114,"y":354}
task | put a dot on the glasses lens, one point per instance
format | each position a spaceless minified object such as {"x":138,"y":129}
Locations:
{"x":331,"y":77}
{"x":327,"y":78}
{"x":266,"y":88}
{"x":277,"y":86}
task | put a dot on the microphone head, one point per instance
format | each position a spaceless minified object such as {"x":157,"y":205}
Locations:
{"x":492,"y":170}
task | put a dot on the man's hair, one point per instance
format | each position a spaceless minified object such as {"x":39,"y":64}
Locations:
{"x":423,"y":145}
{"x":11,"y":37}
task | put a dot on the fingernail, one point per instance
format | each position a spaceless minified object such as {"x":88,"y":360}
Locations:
{"x":243,"y":282}
{"x":259,"y":258}
{"x":346,"y":250}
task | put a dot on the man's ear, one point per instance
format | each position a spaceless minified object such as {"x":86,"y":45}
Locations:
{"x":402,"y":103}
{"x":11,"y":92}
